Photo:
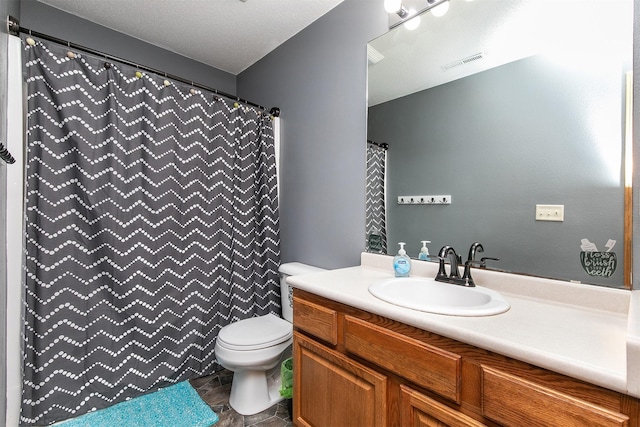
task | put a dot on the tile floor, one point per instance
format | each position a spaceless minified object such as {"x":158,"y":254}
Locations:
{"x":214,"y":389}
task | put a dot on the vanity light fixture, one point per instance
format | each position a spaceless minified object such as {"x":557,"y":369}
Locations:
{"x":408,"y":12}
{"x":395,"y":6}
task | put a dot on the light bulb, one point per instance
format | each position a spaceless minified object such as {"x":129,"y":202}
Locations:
{"x":440,"y":9}
{"x":412,"y":23}
{"x":392,"y":6}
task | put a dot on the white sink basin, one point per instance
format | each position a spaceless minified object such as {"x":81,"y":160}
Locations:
{"x":428,"y":295}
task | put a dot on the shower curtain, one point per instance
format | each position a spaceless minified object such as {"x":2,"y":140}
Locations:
{"x":151,"y":222}
{"x":375,"y":207}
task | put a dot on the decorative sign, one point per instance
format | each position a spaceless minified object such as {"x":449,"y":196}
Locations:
{"x":595,"y":263}
{"x":601,"y":264}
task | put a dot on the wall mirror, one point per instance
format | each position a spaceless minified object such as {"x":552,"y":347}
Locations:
{"x":505,"y":107}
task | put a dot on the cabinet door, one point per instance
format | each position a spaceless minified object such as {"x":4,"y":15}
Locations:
{"x":418,"y":410}
{"x":332,"y":390}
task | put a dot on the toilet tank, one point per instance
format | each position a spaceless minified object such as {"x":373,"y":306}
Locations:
{"x":286,"y":292}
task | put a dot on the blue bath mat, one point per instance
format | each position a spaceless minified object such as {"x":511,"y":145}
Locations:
{"x":175,"y":406}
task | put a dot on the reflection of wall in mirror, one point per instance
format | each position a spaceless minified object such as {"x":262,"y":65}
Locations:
{"x":500,"y":142}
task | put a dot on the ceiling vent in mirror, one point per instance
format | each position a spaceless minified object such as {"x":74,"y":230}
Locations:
{"x":373,"y":55}
{"x":475,"y":57}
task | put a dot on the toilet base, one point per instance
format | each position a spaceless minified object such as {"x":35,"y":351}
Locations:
{"x":254,"y":391}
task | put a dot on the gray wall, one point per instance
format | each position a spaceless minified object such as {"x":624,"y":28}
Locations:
{"x":500,"y":147}
{"x":48,"y":20}
{"x":318,"y":79}
{"x":7,"y":7}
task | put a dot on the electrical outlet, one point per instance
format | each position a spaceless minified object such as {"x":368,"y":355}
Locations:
{"x":550,"y":213}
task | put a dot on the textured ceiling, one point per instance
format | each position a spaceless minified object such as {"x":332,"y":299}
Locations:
{"x":230,"y":35}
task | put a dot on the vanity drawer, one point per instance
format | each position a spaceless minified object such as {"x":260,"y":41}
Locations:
{"x":427,"y":366}
{"x":319,"y":321}
{"x":515,"y":401}
{"x":418,"y":410}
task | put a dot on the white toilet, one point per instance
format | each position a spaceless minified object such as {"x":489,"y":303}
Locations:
{"x":254,"y":348}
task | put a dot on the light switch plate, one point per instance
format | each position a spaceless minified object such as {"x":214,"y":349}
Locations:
{"x":550,"y":213}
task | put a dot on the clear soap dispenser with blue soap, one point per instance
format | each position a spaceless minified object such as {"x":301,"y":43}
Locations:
{"x":401,"y":262}
{"x":424,"y":251}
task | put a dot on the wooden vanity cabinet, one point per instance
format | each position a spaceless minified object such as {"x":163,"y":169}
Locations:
{"x":353,"y":368}
{"x":333,"y":390}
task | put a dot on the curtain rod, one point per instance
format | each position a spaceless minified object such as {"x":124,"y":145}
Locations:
{"x":14,"y":28}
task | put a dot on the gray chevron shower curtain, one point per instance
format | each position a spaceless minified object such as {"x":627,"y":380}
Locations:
{"x":375,"y":205}
{"x":151,"y":222}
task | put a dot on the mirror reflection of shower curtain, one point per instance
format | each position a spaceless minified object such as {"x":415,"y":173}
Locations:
{"x":376,"y":212}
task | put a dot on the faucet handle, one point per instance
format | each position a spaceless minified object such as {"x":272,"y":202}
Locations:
{"x":483,"y":261}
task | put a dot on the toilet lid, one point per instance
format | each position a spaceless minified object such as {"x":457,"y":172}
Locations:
{"x":255,"y":333}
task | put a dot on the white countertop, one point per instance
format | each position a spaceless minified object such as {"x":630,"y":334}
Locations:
{"x":586,"y":332}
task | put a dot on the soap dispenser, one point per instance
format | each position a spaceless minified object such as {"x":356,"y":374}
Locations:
{"x":424,"y":251}
{"x":401,"y":262}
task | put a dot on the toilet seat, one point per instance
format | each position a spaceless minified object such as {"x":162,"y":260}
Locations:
{"x":255,"y":333}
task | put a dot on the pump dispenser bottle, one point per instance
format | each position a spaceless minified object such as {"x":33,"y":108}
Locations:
{"x":401,"y":262}
{"x":424,"y":251}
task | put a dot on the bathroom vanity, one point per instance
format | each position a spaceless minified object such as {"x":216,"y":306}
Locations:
{"x":558,"y":357}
